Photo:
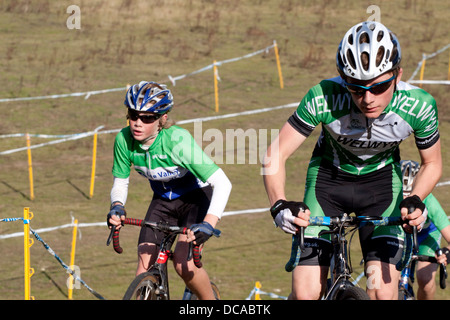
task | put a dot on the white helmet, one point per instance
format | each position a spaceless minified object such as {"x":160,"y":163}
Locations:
{"x":367,"y":40}
{"x":409,"y":170}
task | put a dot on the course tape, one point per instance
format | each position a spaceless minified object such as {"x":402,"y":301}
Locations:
{"x":87,"y":94}
{"x":219,"y":63}
{"x":419,"y":65}
{"x":50,"y":250}
{"x":91,"y":133}
{"x":65,"y":266}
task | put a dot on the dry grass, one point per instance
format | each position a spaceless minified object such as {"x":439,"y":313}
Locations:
{"x":124,"y":41}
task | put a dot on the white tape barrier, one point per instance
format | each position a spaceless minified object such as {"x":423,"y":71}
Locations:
{"x":55,"y":96}
{"x":91,"y":133}
{"x":95,"y":224}
{"x":219,"y":63}
{"x":87,"y":94}
{"x":69,"y":138}
{"x":419,"y":65}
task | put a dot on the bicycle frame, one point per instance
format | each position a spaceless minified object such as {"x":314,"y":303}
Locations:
{"x":407,"y":276}
{"x":341,"y":269}
{"x":159,"y":268}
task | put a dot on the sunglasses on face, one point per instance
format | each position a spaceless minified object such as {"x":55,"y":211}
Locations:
{"x":145,"y":118}
{"x":377,"y":88}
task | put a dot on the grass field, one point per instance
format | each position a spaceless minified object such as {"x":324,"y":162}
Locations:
{"x":124,"y":41}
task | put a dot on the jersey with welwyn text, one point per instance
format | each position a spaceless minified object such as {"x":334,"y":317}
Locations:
{"x":359,"y":145}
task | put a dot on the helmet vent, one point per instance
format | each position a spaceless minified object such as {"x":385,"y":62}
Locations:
{"x":351,"y":59}
{"x":380,"y":55}
{"x":364,"y":38}
{"x":380,"y":35}
{"x":350,"y":39}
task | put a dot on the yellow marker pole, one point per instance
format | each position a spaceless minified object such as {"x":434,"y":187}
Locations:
{"x":30,"y":167}
{"x":216,"y":86}
{"x":257,"y":286}
{"x":422,"y":70}
{"x":280,"y":75}
{"x":27,"y":243}
{"x":72,"y":257}
{"x":94,"y":159}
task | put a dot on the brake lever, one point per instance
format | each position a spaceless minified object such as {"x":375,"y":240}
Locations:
{"x":108,"y":241}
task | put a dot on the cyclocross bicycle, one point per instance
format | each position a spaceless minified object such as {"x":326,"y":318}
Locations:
{"x":154,"y":284}
{"x":405,"y":285}
{"x":340,"y":286}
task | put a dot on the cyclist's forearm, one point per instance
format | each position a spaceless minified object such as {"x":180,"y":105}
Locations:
{"x":221,"y":186}
{"x":430,"y":171}
{"x":119,"y":191}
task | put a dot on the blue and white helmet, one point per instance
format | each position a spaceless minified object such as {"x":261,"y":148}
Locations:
{"x":149,"y":97}
{"x":370,"y":41}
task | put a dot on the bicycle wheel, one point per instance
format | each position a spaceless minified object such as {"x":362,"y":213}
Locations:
{"x":352,"y":293}
{"x":143,"y":287}
{"x":216,"y":292}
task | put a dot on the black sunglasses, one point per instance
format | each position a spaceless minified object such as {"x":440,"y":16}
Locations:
{"x":377,"y":88}
{"x":145,"y":118}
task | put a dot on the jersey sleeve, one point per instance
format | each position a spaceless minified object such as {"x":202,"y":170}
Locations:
{"x":187,"y":153}
{"x":122,"y":162}
{"x":419,"y":109}
{"x":303,"y":119}
{"x":436,"y":213}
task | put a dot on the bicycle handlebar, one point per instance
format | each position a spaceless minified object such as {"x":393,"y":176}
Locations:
{"x":194,"y":250}
{"x":355,"y":221}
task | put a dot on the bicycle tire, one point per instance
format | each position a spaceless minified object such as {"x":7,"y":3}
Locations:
{"x":352,"y":293}
{"x":215,"y":291}
{"x":143,"y":287}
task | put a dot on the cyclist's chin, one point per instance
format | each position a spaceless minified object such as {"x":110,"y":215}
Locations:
{"x":371,"y":112}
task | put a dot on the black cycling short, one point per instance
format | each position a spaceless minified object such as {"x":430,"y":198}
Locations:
{"x":331,"y":192}
{"x":184,"y":211}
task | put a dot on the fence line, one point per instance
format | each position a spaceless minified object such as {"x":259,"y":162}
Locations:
{"x":173,"y":80}
{"x":28,"y":215}
{"x":91,"y":133}
{"x":421,"y":67}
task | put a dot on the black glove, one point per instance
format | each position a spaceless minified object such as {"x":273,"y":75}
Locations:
{"x":412,"y":202}
{"x":294,"y":206}
{"x":116,"y":210}
{"x":203,"y":231}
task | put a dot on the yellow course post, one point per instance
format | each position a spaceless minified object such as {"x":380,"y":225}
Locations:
{"x":27,"y":243}
{"x":280,"y":75}
{"x":216,"y":86}
{"x":94,"y":159}
{"x":257,"y":286}
{"x":422,"y":71}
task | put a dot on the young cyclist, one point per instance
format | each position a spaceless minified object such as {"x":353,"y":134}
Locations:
{"x":365,"y":113}
{"x":189,"y":189}
{"x":436,"y":226}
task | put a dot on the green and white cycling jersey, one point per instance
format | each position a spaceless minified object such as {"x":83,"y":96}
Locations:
{"x":430,"y":236}
{"x":174,"y":163}
{"x":359,"y":145}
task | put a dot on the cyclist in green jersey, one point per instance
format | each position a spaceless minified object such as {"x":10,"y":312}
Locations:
{"x":365,"y":113}
{"x":436,"y":226}
{"x":189,"y":189}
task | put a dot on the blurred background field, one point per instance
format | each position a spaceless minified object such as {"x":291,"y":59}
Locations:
{"x":125,"y":41}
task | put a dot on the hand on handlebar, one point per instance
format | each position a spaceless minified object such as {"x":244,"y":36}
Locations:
{"x":414,"y":213}
{"x":115,"y":216}
{"x":441,"y":255}
{"x":199,"y":233}
{"x":290,"y":215}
